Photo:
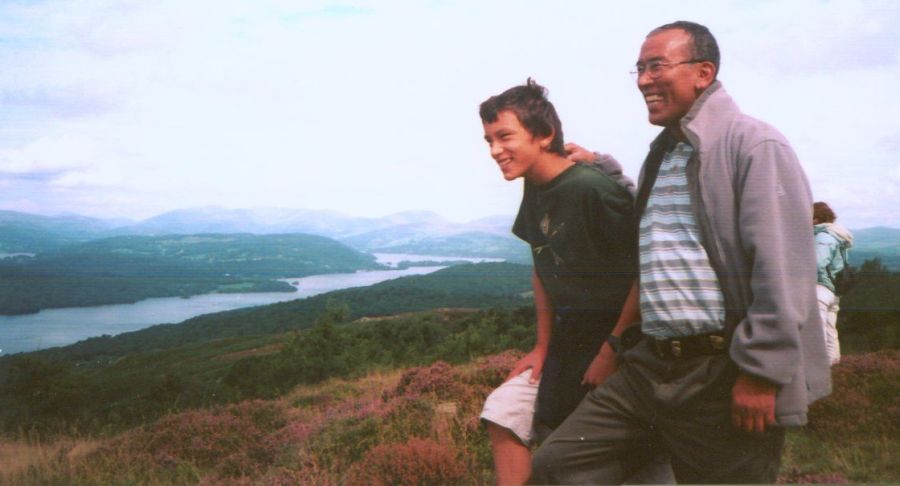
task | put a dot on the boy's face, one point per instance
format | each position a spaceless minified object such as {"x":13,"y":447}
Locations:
{"x":512,"y":146}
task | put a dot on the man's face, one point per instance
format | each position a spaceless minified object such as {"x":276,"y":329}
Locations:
{"x":512,"y":146}
{"x":670,"y":92}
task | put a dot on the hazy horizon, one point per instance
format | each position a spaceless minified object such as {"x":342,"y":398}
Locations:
{"x":510,"y":216}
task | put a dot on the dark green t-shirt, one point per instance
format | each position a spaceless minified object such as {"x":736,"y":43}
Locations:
{"x":580,"y":228}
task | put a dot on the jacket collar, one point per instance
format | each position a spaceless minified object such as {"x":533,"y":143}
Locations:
{"x":704,"y":120}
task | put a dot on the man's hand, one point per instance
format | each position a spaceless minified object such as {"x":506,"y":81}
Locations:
{"x":577,"y":153}
{"x":752,"y":403}
{"x":603,"y":365}
{"x":533,"y":360}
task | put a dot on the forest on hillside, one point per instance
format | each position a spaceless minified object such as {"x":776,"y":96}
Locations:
{"x":131,"y":268}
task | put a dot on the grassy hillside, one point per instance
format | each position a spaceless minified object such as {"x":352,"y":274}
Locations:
{"x":419,"y":426}
{"x":106,"y":395}
{"x":131,"y":268}
{"x":341,"y":388}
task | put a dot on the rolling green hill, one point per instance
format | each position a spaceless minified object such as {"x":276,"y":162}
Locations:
{"x":418,"y":241}
{"x":880,"y":242}
{"x":32,"y":233}
{"x":130,"y":268}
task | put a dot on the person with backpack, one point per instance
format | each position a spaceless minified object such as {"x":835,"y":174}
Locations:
{"x":832,"y":243}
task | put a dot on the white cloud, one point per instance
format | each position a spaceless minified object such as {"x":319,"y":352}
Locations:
{"x":369,"y":107}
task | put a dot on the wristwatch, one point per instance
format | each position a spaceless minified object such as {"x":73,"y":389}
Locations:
{"x":615,"y":343}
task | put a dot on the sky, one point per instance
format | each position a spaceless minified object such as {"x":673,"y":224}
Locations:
{"x":128,"y":108}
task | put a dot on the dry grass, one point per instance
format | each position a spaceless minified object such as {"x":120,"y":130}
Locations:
{"x":417,"y":423}
{"x":19,"y":457}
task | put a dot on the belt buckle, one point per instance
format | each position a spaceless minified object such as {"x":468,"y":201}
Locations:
{"x":675,"y":347}
{"x":717,"y":342}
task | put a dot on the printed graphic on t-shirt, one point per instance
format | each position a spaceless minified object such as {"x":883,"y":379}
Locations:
{"x":549,"y":232}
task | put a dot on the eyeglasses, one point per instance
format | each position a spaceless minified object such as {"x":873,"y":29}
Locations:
{"x":655,"y":68}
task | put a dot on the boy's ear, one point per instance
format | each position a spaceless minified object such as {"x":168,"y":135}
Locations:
{"x":545,"y":141}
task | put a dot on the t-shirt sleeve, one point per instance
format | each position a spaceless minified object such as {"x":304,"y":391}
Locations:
{"x":523,"y":221}
{"x":612,"y":220}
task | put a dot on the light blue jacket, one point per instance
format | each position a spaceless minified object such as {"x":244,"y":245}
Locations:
{"x":830,"y":239}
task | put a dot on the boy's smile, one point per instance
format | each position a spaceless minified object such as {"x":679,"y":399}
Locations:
{"x":513,"y":147}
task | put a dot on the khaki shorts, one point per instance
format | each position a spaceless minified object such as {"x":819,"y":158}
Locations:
{"x":511,"y":406}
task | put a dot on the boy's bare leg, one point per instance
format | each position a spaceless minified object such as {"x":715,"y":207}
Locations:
{"x":512,"y":458}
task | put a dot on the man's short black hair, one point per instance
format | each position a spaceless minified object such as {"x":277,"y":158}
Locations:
{"x":703,"y":45}
{"x":535,"y":112}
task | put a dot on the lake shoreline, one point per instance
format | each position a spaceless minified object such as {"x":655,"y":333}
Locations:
{"x":50,"y":328}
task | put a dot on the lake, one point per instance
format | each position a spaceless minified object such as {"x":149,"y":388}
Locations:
{"x":59,"y":327}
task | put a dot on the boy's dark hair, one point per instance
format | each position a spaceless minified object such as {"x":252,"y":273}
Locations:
{"x":535,"y":112}
{"x":703,"y":45}
{"x":823,"y":213}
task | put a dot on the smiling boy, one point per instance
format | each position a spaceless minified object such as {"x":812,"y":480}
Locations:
{"x":578,"y":222}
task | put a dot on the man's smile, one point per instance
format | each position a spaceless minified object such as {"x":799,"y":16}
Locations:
{"x":653,"y":98}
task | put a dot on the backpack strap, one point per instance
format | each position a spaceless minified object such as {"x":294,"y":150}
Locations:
{"x":844,"y":255}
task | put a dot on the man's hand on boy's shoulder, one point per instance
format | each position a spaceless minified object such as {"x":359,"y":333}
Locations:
{"x":577,"y":153}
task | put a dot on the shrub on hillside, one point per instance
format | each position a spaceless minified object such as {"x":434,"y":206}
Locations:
{"x":439,"y":379}
{"x":491,"y":370}
{"x":865,"y":399}
{"x":416,"y":462}
{"x":234,"y":440}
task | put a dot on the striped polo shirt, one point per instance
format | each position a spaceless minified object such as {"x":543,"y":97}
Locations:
{"x":680,"y":294}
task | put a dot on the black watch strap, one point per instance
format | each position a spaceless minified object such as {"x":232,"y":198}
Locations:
{"x":615,"y":343}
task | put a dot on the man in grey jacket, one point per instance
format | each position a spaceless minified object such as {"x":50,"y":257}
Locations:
{"x":731,"y":347}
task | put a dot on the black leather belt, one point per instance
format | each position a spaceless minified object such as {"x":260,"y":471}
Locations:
{"x":689,"y":346}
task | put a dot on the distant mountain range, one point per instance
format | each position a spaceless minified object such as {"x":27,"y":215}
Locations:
{"x":879,"y":242}
{"x":419,"y":232}
{"x":22,"y":232}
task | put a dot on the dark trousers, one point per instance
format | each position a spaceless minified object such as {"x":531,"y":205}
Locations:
{"x":653,"y":405}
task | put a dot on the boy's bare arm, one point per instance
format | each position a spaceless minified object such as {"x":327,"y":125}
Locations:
{"x":544,"y":313}
{"x":604,"y":364}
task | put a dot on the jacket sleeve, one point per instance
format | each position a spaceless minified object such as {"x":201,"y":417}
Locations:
{"x":775,"y":212}
{"x":826,"y":247}
{"x":611,"y":167}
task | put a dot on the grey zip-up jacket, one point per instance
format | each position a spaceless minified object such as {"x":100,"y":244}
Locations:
{"x":753,"y":206}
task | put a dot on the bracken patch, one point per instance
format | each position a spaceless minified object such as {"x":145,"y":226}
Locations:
{"x":439,"y":379}
{"x":864,"y":398}
{"x":416,"y":462}
{"x":491,"y":371}
{"x":233,"y":440}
